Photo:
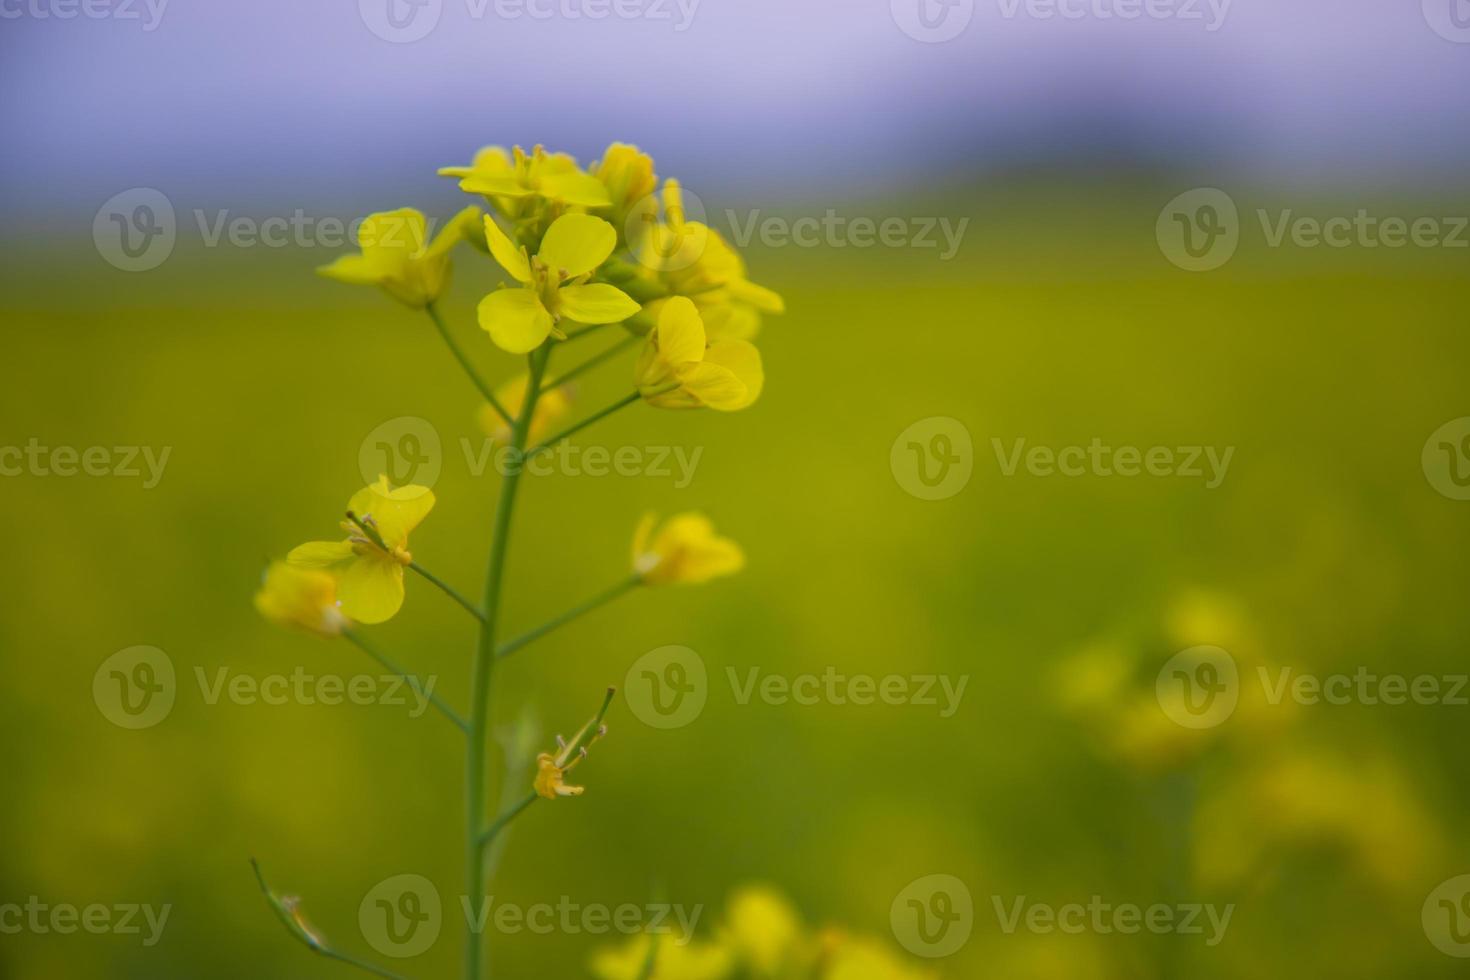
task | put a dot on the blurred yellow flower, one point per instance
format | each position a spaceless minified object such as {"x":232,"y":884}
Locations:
{"x":864,"y":958}
{"x":302,"y":598}
{"x":680,"y":369}
{"x":684,"y":549}
{"x":506,"y":177}
{"x":763,"y":929}
{"x":627,"y":173}
{"x":554,"y":283}
{"x":398,"y":257}
{"x":370,"y":562}
{"x":674,"y":959}
{"x":551,"y":407}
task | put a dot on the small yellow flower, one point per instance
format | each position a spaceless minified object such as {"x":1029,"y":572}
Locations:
{"x":687,"y":258}
{"x":684,"y":549}
{"x":763,"y":928}
{"x":301,"y":598}
{"x":397,"y":255}
{"x":551,"y":769}
{"x":552,"y":406}
{"x":679,"y":368}
{"x":627,"y":173}
{"x":508,"y":178}
{"x":370,"y":563}
{"x":554,"y":283}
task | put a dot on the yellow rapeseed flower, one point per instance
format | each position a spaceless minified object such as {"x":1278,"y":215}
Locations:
{"x":370,"y":562}
{"x":398,"y":256}
{"x":679,"y":257}
{"x":679,"y":368}
{"x":301,"y":598}
{"x":554,"y":283}
{"x":508,"y":178}
{"x":684,"y":549}
{"x":627,"y":173}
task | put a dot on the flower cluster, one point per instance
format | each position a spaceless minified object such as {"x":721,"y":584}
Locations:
{"x":580,"y":251}
{"x":586,"y":249}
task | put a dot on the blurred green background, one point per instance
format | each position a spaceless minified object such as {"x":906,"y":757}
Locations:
{"x":1325,"y":548}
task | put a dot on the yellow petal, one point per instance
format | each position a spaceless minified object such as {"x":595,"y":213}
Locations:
{"x":744,"y":362}
{"x":489,"y":161}
{"x":393,"y":236}
{"x":516,"y":320}
{"x":494,"y":186}
{"x":643,"y":536}
{"x":463,"y":225}
{"x":577,"y":243}
{"x":714,"y":385}
{"x":371,"y":589}
{"x":595,"y":303}
{"x":395,"y":512}
{"x":581,"y":189}
{"x":512,"y":257}
{"x":320,"y":554}
{"x":358,"y":270}
{"x":680,"y":335}
{"x":763,"y":299}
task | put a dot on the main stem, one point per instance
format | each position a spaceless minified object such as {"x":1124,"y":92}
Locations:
{"x":484,"y":668}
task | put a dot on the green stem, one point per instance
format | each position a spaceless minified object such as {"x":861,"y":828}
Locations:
{"x":485,"y":667}
{"x":505,"y":818}
{"x":593,"y":361}
{"x":568,"y":433}
{"x":464,"y":362}
{"x":413,"y":679}
{"x":602,"y":598}
{"x":290,"y":919}
{"x":450,"y":591}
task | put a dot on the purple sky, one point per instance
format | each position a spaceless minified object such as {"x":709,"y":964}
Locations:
{"x":280,"y":102}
